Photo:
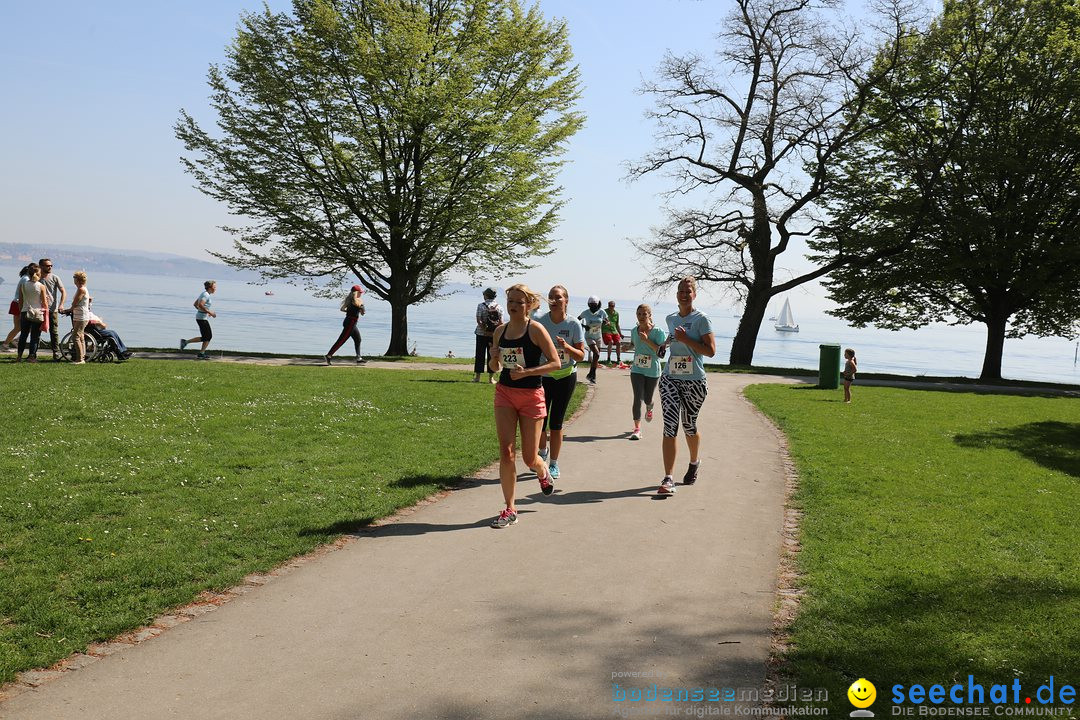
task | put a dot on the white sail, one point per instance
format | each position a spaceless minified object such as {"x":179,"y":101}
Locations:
{"x":786,"y":323}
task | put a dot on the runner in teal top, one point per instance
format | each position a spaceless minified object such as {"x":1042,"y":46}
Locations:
{"x":645,"y":370}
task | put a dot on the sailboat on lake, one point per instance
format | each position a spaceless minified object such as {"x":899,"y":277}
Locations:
{"x":786,"y":323}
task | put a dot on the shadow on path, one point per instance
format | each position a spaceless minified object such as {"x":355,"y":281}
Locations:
{"x":595,"y":438}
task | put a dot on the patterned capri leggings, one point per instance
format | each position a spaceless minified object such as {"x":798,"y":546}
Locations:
{"x":681,"y":397}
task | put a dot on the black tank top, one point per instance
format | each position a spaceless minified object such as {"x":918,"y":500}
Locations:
{"x":529,"y":357}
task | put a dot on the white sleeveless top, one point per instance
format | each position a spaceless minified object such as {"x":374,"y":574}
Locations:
{"x":81,"y":311}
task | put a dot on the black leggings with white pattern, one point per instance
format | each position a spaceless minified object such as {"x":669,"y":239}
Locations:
{"x":681,"y":398}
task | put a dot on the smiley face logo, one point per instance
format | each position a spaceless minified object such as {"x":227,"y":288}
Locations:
{"x":862,"y":693}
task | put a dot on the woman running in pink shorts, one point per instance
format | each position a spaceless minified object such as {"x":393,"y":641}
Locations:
{"x":516,"y":350}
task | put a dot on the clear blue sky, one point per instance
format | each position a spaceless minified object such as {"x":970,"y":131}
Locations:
{"x":92,"y":91}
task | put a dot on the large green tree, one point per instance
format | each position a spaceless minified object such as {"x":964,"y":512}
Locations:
{"x":750,"y":141}
{"x":964,"y":203}
{"x":393,"y":140}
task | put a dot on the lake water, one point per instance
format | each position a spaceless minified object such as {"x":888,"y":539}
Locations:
{"x":155,"y":311}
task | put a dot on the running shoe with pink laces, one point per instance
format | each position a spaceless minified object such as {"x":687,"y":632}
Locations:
{"x":648,"y":413}
{"x":546,"y":486}
{"x":506,"y":517}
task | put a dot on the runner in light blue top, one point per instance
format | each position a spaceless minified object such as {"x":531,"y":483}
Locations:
{"x":202,"y":304}
{"x":571,"y":333}
{"x":683,"y":386}
{"x":645,"y":370}
{"x":559,"y":385}
{"x":683,"y":363}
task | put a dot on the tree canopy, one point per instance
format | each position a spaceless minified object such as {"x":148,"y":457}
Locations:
{"x":390,"y":140}
{"x":749,"y":142}
{"x":964,"y":202}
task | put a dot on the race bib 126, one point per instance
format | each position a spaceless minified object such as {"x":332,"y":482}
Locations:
{"x":681,"y":365}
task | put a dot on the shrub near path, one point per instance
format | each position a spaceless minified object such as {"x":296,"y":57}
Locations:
{"x":939,"y":537}
{"x":129,"y":489}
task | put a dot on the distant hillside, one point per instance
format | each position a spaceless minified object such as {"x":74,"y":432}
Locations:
{"x":72,"y":257}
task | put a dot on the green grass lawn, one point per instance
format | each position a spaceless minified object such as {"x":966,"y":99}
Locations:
{"x":939,"y":537}
{"x":128,"y":489}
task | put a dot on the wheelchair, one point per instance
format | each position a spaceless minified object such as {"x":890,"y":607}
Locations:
{"x":99,"y":348}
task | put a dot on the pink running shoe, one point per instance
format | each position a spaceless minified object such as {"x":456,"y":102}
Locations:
{"x":506,"y":517}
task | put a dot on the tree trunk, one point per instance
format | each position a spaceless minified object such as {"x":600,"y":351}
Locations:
{"x":399,"y":325}
{"x":757,"y":301}
{"x":995,"y":348}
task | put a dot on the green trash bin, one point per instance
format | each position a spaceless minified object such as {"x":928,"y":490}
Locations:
{"x":829,"y":367}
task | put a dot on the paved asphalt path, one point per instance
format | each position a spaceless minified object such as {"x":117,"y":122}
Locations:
{"x":438,"y":615}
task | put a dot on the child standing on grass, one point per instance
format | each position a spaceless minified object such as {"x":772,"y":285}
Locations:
{"x":851,"y":366}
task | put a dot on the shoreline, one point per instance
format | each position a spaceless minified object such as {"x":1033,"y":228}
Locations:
{"x":946,"y":384}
